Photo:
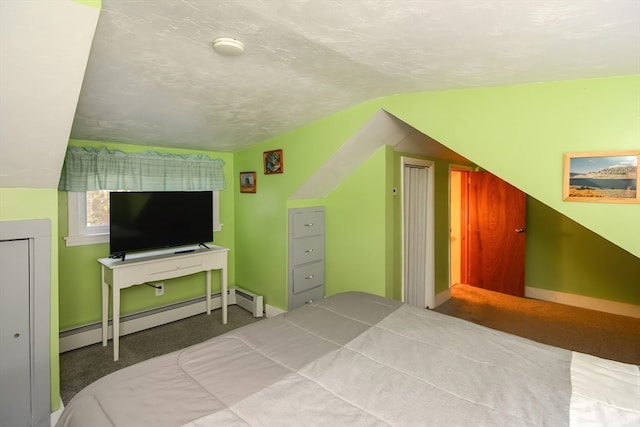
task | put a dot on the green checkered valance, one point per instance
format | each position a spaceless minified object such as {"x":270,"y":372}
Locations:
{"x":88,"y":169}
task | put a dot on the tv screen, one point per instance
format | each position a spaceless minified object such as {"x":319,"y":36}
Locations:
{"x":142,"y":221}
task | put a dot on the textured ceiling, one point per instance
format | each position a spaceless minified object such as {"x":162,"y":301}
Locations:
{"x":153,"y":78}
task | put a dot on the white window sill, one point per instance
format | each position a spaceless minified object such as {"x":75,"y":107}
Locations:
{"x":90,"y":239}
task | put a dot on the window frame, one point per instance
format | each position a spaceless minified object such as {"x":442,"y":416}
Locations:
{"x":79,"y":234}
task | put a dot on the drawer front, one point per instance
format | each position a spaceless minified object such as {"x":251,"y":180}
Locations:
{"x":308,"y":249}
{"x":308,"y":276}
{"x":302,"y":298}
{"x":309,"y":223}
{"x":160,"y":270}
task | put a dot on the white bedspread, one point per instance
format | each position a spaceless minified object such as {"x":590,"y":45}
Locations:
{"x":604,"y":393}
{"x":359,"y":360}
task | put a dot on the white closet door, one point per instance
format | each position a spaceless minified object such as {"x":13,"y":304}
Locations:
{"x":415,"y":210}
{"x":418,"y":277}
{"x":15,"y":370}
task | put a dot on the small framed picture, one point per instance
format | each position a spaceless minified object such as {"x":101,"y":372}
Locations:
{"x":273,"y":162}
{"x":247,"y":182}
{"x":608,"y":176}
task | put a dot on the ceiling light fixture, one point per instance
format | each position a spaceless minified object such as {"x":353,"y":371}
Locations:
{"x":228,"y":46}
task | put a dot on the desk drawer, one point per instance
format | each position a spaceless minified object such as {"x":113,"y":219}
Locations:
{"x":308,"y":249}
{"x":180,"y":267}
{"x":159,"y":270}
{"x":308,"y":276}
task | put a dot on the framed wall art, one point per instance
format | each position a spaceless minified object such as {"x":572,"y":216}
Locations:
{"x":247,"y":182}
{"x":608,"y":176}
{"x":273,"y":162}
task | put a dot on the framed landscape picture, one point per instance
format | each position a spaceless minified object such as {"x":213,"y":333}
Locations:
{"x":247,"y":182}
{"x":608,"y":176}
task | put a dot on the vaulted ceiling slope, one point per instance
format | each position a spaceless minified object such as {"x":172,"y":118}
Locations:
{"x":153,"y":78}
{"x":44,"y":46}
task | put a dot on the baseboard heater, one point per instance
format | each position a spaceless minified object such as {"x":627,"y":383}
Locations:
{"x":249,"y":301}
{"x":81,"y":336}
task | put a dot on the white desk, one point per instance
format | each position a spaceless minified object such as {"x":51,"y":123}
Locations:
{"x":139,"y":270}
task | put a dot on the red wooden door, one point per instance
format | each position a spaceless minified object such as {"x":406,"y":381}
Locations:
{"x":497,"y":218}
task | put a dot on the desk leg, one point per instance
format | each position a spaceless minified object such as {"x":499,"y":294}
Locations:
{"x":208,"y":291}
{"x":223,"y":278}
{"x":116,"y":323}
{"x":105,"y":310}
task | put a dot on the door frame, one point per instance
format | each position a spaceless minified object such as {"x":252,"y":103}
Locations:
{"x":464,"y":205}
{"x":429,"y":226}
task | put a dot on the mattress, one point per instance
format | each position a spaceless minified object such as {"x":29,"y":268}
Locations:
{"x":363,"y":360}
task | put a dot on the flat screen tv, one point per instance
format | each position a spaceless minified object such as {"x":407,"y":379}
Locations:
{"x":143,"y":220}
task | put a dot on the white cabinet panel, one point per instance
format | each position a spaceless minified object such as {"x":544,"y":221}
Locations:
{"x":15,"y":372}
{"x":25,"y":302}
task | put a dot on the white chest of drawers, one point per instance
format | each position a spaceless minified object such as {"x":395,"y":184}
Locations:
{"x":306,"y":255}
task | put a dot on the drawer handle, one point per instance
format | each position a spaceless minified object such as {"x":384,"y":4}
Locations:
{"x":309,"y":277}
{"x":309,"y":251}
{"x":309,"y":224}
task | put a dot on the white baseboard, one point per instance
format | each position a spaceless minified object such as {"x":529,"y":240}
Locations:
{"x":92,"y":333}
{"x":55,"y":416}
{"x":271,"y":311}
{"x":584,"y":302}
{"x":442,"y":297}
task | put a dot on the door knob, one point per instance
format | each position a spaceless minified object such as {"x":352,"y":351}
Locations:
{"x":519,"y":230}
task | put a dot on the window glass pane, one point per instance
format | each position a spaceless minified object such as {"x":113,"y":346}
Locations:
{"x":97,"y":208}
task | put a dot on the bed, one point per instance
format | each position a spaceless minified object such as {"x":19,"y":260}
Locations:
{"x":356,"y":359}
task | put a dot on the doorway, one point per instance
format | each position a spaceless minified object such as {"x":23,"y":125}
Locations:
{"x":487,"y":232}
{"x":418,"y":260}
{"x":458,"y":224}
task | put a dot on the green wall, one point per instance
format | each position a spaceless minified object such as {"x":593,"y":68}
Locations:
{"x":363,"y":250}
{"x":362,"y":215}
{"x":356,"y":230}
{"x":564,"y":256}
{"x":80,"y":288}
{"x":31,"y":203}
{"x":518,"y":133}
{"x":96,"y":4}
{"x":261,"y":218}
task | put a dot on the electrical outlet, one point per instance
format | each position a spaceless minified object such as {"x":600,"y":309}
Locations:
{"x":159,"y":289}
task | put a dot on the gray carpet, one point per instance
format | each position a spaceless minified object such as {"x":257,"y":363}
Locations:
{"x":79,"y":368}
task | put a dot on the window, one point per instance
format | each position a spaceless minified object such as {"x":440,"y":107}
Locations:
{"x":88,"y":214}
